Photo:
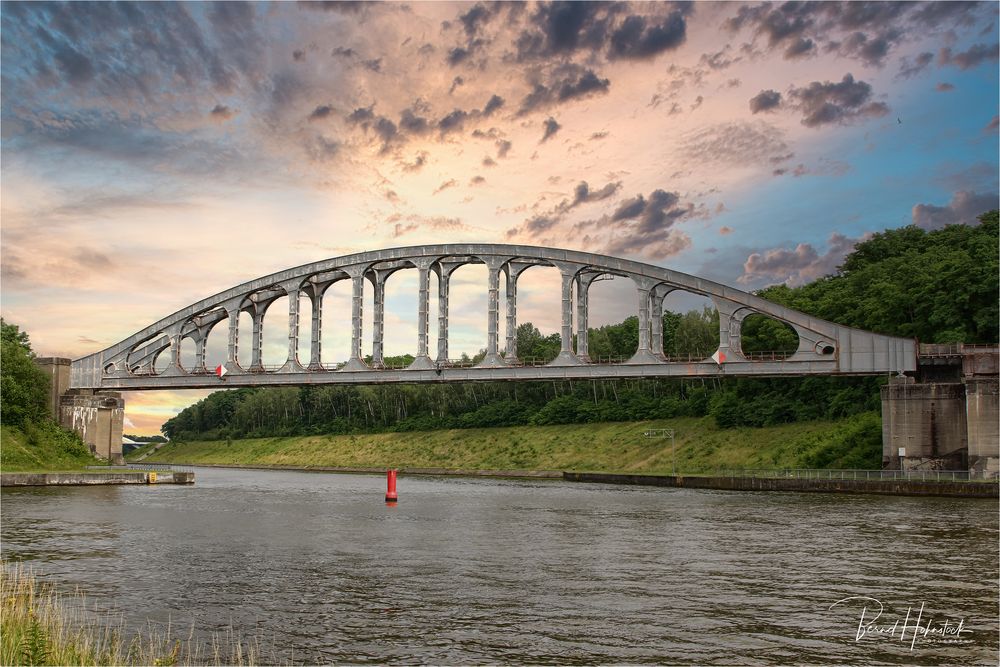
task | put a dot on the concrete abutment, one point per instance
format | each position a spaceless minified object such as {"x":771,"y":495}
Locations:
{"x":97,"y":416}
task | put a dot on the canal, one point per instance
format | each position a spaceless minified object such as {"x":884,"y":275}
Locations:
{"x":507,"y":571}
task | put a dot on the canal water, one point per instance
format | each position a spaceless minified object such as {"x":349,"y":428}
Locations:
{"x":467,"y":571}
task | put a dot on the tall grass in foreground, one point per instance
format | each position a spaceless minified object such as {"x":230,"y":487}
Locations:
{"x":39,"y":626}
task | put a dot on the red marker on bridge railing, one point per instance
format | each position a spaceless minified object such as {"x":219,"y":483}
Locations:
{"x":390,"y":486}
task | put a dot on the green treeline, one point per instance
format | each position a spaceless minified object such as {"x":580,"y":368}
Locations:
{"x":938,"y":286}
{"x":31,"y":440}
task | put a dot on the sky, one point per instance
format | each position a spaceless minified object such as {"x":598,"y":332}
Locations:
{"x":155,"y":154}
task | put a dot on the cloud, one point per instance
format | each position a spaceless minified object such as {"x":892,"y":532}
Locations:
{"x":944,"y":87}
{"x":503,"y":147}
{"x":493,"y":104}
{"x":865,"y":31}
{"x":765,"y":100}
{"x":324,"y":111}
{"x":582,"y":194}
{"x":737,"y":144}
{"x":836,"y":103}
{"x":418,"y":162}
{"x":725,"y":231}
{"x":963,"y":209}
{"x":444,"y":186}
{"x":453,"y":122}
{"x":637,"y":39}
{"x":403,"y":225}
{"x":798,"y":265}
{"x":909,"y":69}
{"x":551,"y":127}
{"x":477,"y":180}
{"x":992,"y":125}
{"x":222,"y":113}
{"x":567,"y":83}
{"x":973,"y":57}
{"x":643,"y":226}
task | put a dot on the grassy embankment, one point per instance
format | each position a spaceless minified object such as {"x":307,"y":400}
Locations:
{"x":38,"y":626}
{"x":701,"y":447}
{"x":42,"y":448}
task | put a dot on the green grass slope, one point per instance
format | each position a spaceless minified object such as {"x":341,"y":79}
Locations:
{"x":40,"y":447}
{"x":622,"y":447}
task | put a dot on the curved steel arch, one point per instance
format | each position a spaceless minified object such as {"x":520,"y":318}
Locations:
{"x":824,"y":347}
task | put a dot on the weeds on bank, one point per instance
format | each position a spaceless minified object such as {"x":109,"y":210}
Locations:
{"x":39,"y":626}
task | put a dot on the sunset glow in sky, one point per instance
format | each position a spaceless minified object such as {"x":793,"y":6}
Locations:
{"x":155,"y":154}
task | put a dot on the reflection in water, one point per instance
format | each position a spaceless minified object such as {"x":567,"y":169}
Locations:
{"x":475,"y":571}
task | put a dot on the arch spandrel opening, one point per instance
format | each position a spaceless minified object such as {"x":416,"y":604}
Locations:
{"x":335,"y":329}
{"x":690,"y":327}
{"x":274,"y":342}
{"x":538,"y":315}
{"x":612,"y":320}
{"x":764,"y":338}
{"x":468,"y":310}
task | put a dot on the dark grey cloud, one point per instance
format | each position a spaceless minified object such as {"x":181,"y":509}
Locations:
{"x":299,"y":56}
{"x":836,"y":103}
{"x":616,"y":30}
{"x":566,"y":83}
{"x":866,"y":31}
{"x":963,"y":209}
{"x":325,"y":111}
{"x":799,"y":48}
{"x":503,"y":147}
{"x":362,"y":115}
{"x":458,"y":55}
{"x":944,"y":87}
{"x":644,"y":226}
{"x":493,"y":104}
{"x":373,"y":64}
{"x":637,"y":38}
{"x":551,"y":126}
{"x":474,"y":19}
{"x":765,"y":100}
{"x":908,"y":69}
{"x":411,"y":123}
{"x":477,"y":180}
{"x":342,"y":52}
{"x":221,"y":112}
{"x":452,"y":122}
{"x":455,"y":83}
{"x":582,"y":194}
{"x":992,"y":125}
{"x":973,"y":57}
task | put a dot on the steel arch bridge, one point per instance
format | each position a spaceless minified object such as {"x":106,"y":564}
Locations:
{"x":824,"y":348}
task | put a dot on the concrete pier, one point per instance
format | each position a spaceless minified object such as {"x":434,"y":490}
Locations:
{"x":983,"y":416}
{"x":923,"y":425}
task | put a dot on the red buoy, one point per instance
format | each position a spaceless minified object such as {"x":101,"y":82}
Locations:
{"x":390,"y":487}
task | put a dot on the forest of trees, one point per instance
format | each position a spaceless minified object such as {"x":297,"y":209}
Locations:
{"x":939,"y":286}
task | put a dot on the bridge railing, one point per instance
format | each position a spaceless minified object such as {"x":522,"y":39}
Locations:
{"x":854,"y":474}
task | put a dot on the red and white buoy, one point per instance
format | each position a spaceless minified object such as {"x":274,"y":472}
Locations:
{"x":390,"y":486}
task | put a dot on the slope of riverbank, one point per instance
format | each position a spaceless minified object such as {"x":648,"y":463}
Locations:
{"x":619,"y":446}
{"x":42,"y":447}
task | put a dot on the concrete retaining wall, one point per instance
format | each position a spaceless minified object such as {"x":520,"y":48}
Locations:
{"x":876,"y":486}
{"x":92,"y":478}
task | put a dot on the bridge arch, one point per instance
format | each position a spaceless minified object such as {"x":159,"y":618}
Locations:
{"x":824,"y":347}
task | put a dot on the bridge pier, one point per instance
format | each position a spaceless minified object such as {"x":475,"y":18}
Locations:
{"x":97,"y":416}
{"x":950,"y":422}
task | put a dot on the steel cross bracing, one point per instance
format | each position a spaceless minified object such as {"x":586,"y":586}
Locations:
{"x":824,"y":348}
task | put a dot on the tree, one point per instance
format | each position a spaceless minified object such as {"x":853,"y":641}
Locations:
{"x":24,"y":388}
